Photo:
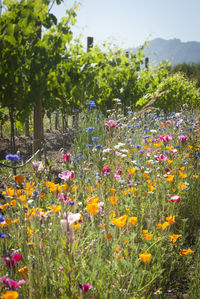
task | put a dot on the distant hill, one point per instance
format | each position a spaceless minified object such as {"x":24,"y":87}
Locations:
{"x":172,"y":50}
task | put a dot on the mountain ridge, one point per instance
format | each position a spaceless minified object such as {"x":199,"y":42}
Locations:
{"x":173,"y":50}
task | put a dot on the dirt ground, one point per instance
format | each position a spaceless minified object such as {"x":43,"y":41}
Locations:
{"x":55,"y":142}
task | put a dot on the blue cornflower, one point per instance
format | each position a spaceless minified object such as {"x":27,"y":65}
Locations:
{"x":142,"y":151}
{"x":138,"y":146}
{"x":95,"y":138}
{"x":88,"y":180}
{"x":2,"y":218}
{"x":98,"y":146}
{"x":11,"y":157}
{"x":90,"y":129}
{"x":91,"y":104}
{"x":89,"y":145}
{"x":2,"y":235}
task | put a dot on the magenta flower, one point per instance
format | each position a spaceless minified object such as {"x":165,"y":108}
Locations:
{"x":62,"y":197}
{"x":182,"y":138}
{"x":161,"y":158}
{"x":106,"y":169}
{"x":175,"y":198}
{"x":165,"y":138}
{"x":66,"y":175}
{"x":85,"y":288}
{"x":11,"y":260}
{"x":12,"y":284}
{"x":66,"y":157}
{"x":111,"y":123}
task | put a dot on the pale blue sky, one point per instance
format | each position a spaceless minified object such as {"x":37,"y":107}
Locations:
{"x":130,"y":23}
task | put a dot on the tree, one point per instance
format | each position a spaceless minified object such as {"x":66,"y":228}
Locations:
{"x":27,"y":59}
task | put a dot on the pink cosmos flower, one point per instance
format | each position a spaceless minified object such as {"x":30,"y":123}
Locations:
{"x":165,"y":138}
{"x":111,"y":123}
{"x":182,"y":138}
{"x":175,"y":198}
{"x":66,"y":175}
{"x":12,"y":260}
{"x":62,"y":197}
{"x":116,"y":176}
{"x":161,"y":158}
{"x":168,"y":122}
{"x":12,"y":284}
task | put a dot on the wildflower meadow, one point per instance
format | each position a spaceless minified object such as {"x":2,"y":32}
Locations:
{"x":114,"y":212}
{"x":123,"y":221}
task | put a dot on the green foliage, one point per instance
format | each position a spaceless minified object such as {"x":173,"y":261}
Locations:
{"x":190,"y":70}
{"x":179,"y":90}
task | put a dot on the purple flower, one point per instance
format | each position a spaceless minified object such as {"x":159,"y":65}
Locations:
{"x":2,"y":218}
{"x":2,"y":235}
{"x":11,"y":157}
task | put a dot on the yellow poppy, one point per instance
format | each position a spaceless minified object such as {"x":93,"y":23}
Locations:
{"x":170,"y":178}
{"x":92,"y":208}
{"x":10,"y":295}
{"x":23,"y":271}
{"x":170,"y":219}
{"x":22,"y":198}
{"x":132,"y":170}
{"x":89,"y":189}
{"x":174,"y":237}
{"x":184,"y":252}
{"x":133,"y":220}
{"x":145,"y":257}
{"x":55,"y":208}
{"x":112,"y":190}
{"x":10,"y":192}
{"x":120,"y":222}
{"x":113,"y":199}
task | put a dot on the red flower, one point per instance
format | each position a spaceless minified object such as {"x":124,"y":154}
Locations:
{"x":175,"y":198}
{"x":11,"y":260}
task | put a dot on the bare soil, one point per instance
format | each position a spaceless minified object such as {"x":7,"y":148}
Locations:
{"x":55,"y":144}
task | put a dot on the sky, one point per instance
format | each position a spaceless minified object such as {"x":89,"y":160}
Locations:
{"x":129,"y":23}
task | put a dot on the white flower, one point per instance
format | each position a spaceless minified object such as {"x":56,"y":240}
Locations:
{"x":38,"y":166}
